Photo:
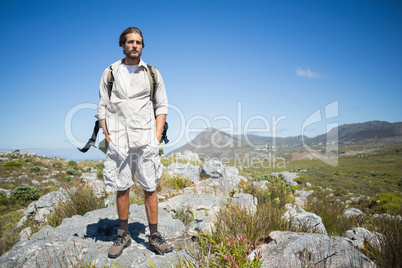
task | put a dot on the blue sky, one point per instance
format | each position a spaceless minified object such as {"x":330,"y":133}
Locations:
{"x":230,"y":64}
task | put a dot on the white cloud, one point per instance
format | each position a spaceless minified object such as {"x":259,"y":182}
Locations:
{"x":308,"y":73}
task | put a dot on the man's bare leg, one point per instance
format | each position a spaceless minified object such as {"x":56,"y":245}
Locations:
{"x":151,"y":207}
{"x":123,"y":205}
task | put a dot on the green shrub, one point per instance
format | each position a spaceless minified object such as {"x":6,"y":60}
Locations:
{"x":202,"y":159}
{"x":25,"y":193}
{"x":100,"y":166}
{"x":67,"y":178}
{"x":265,"y":177}
{"x":99,"y":174}
{"x":57,"y":164}
{"x":73,"y":172}
{"x":300,"y":180}
{"x":34,"y":169}
{"x":72,"y":163}
{"x":28,"y":159}
{"x":13,"y":164}
{"x":387,"y":203}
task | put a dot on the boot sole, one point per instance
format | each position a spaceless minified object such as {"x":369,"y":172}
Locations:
{"x":121,"y":251}
{"x":154,"y":249}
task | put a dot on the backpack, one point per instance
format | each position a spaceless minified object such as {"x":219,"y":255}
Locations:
{"x":152,"y":76}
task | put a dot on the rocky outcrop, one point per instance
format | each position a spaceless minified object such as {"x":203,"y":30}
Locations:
{"x":85,"y":239}
{"x":289,"y":249}
{"x":184,"y":170}
{"x":352,"y":212}
{"x":38,"y":210}
{"x":213,"y":169}
{"x":361,"y":236}
{"x":288,"y":176}
{"x":303,"y":220}
{"x":198,"y":204}
{"x":301,"y":197}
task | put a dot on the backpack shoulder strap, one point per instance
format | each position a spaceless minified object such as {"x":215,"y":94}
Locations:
{"x":110,"y":81}
{"x":152,"y":76}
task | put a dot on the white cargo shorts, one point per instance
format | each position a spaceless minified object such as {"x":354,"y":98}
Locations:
{"x":122,"y":163}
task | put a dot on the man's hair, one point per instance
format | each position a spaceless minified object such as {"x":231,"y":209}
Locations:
{"x":129,"y":30}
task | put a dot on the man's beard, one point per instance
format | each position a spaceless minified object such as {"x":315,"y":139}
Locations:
{"x":132,"y":57}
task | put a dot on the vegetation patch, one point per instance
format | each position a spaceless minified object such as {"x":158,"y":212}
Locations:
{"x":25,"y":193}
{"x":81,"y":200}
{"x":13,"y":164}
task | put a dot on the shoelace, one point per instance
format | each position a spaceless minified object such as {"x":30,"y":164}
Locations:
{"x":119,"y":240}
{"x":159,"y":239}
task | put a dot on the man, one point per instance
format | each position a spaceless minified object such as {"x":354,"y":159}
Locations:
{"x":133,"y":125}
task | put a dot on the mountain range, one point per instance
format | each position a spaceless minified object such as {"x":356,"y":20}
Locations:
{"x":216,"y":143}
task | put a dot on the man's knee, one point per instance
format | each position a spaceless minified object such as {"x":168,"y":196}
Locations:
{"x":123,"y":193}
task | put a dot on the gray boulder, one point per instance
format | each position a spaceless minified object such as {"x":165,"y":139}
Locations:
{"x":360,"y":236}
{"x":25,"y":233}
{"x":352,"y":212}
{"x":245,"y":201}
{"x":260,"y":184}
{"x":5,"y":191}
{"x":198,"y":204}
{"x":289,"y":249}
{"x":288,"y":176}
{"x":201,"y":225}
{"x":190,"y":156}
{"x":4,"y":159}
{"x":86,"y":239}
{"x":38,"y":210}
{"x":88,"y":178}
{"x":213,"y":168}
{"x":388,"y":216}
{"x":184,"y":170}
{"x":299,"y":218}
{"x":91,"y":179}
{"x":301,"y":197}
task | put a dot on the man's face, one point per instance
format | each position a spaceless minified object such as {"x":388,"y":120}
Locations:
{"x":133,"y":46}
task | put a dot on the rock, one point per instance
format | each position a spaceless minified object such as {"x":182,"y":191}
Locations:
{"x":199,"y":204}
{"x":289,"y":249}
{"x":88,"y":178}
{"x":308,"y":184}
{"x":360,"y":236}
{"x":387,"y":216}
{"x":201,"y":225}
{"x":218,"y":187}
{"x":190,"y":156}
{"x":38,"y":210}
{"x":25,"y":233}
{"x":86,"y":239}
{"x":245,"y":201}
{"x":213,"y":168}
{"x":352,"y":212}
{"x":4,"y":159}
{"x":184,"y":170}
{"x":260,"y":184}
{"x":35,"y":182}
{"x":302,"y":219}
{"x":288,"y":176}
{"x":110,"y":201}
{"x":231,"y":172}
{"x":301,"y":197}
{"x":92,"y":180}
{"x":5,"y":191}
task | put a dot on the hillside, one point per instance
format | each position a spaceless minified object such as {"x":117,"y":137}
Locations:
{"x":216,"y":143}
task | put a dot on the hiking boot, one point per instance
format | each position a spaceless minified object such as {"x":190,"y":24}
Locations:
{"x":158,"y":244}
{"x":123,"y":240}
